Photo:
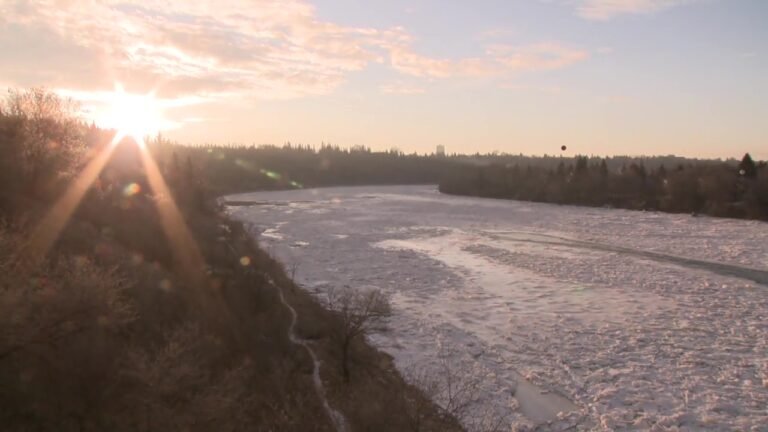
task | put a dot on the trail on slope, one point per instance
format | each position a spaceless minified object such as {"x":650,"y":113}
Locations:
{"x":337,"y":418}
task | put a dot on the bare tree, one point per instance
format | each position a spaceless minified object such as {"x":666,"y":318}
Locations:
{"x":358,"y":311}
{"x":48,"y":140}
{"x":419,"y":412}
{"x":458,"y":393}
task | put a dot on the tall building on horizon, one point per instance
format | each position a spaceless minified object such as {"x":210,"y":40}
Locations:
{"x":440,"y":151}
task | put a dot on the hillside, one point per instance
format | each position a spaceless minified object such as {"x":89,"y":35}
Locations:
{"x":109,"y":322}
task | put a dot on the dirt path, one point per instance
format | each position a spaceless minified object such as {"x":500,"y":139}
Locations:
{"x":336,"y":417}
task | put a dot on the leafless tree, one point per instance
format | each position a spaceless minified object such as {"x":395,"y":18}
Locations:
{"x":419,"y":412}
{"x":49,"y":139}
{"x":358,"y":311}
{"x":457,"y":392}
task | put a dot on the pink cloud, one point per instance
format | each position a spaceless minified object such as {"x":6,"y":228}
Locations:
{"x":499,"y":60}
{"x":603,"y":10}
{"x":271,"y":48}
{"x":537,"y":57}
{"x":264,"y":48}
{"x":546,"y":89}
{"x":401,"y":89}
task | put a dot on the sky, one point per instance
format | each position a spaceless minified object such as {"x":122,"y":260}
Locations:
{"x":603,"y":77}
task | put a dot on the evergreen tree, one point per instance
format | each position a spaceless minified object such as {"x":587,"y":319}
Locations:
{"x":603,"y":169}
{"x":747,"y":167}
{"x":581,"y":166}
{"x":560,"y":169}
{"x":662,"y":172}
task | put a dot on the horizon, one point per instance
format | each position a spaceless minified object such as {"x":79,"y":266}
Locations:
{"x":564,"y":154}
{"x":609,"y":78}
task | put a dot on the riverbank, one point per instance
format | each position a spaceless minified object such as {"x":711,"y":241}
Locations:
{"x":377,"y":397}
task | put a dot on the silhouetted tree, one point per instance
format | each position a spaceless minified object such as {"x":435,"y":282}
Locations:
{"x":662,"y":172}
{"x":704,"y":187}
{"x":603,"y":169}
{"x":358,"y":312}
{"x":747,"y":167}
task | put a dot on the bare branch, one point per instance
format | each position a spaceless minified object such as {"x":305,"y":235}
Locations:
{"x":358,"y":312}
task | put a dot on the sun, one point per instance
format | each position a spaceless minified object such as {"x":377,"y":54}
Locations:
{"x":133,"y":115}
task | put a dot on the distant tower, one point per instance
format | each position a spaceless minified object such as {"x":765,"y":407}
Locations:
{"x":440,"y":150}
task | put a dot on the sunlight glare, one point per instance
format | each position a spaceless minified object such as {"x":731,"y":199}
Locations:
{"x":133,"y":115}
{"x":48,"y":230}
{"x":184,"y":248}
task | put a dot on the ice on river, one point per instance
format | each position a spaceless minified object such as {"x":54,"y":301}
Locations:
{"x":625,"y":320}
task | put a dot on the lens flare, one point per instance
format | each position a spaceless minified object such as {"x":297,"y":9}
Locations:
{"x":48,"y":229}
{"x":245,"y":165}
{"x":271,"y":174}
{"x":131,"y":189}
{"x":185,"y":251}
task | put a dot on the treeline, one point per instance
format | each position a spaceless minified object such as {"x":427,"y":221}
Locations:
{"x":236,"y":168}
{"x":663,"y":183}
{"x":731,"y":188}
{"x":243,"y":168}
{"x":737,"y":189}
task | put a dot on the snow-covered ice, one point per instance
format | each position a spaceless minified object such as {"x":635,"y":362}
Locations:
{"x":630,"y":320}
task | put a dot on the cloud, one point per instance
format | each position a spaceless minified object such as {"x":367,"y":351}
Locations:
{"x":270,"y":48}
{"x":546,"y":89}
{"x":404,"y":60}
{"x":603,"y":10}
{"x":106,"y":97}
{"x":97,"y":105}
{"x":537,"y":57}
{"x":498,"y":60}
{"x":401,"y":89}
{"x":497,"y":33}
{"x":262,"y":48}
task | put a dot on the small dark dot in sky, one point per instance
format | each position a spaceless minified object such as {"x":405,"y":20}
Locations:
{"x":563,"y":148}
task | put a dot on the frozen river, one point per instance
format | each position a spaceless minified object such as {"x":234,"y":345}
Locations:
{"x":625,"y":320}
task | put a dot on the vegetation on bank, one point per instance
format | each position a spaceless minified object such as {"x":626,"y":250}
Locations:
{"x":725,"y":189}
{"x":105,"y":331}
{"x":731,"y":188}
{"x":238,"y":168}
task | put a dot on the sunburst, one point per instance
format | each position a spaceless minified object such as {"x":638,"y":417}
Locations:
{"x":132,"y":116}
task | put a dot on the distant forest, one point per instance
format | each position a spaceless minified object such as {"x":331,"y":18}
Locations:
{"x":731,"y":188}
{"x":244,"y":168}
{"x":725,"y":189}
